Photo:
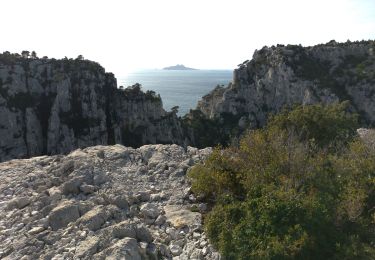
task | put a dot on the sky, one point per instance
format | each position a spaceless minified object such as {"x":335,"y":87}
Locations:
{"x":124,"y":35}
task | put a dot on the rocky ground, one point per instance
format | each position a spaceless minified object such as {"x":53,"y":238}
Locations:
{"x":103,"y":202}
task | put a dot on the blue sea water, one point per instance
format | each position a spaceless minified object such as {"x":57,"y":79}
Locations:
{"x":181,"y":88}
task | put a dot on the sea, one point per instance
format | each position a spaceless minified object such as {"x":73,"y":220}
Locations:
{"x":181,"y":88}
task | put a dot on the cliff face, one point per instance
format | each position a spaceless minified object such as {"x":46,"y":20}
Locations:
{"x":286,"y":75}
{"x":52,"y":106}
{"x":139,"y":118}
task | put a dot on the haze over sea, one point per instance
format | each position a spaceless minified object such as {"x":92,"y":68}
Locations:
{"x":181,"y":88}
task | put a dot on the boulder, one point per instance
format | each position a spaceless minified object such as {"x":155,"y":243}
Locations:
{"x":126,"y":248}
{"x":149,"y":210}
{"x":18,"y":203}
{"x":125,"y":229}
{"x":87,"y":248}
{"x":121,"y":202}
{"x":54,"y":193}
{"x":175,"y":249}
{"x":143,"y":196}
{"x":72,"y":186}
{"x":160,"y":220}
{"x":63,"y":214}
{"x":94,"y":218}
{"x":87,"y":189}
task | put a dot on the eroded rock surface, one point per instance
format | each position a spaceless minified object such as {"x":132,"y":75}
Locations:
{"x":102,"y":202}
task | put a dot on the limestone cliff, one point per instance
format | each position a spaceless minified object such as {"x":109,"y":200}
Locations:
{"x":50,"y":106}
{"x":280,"y":76}
{"x":139,"y":118}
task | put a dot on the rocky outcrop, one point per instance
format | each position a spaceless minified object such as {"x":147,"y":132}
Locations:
{"x":139,"y":118}
{"x":50,"y":106}
{"x":282,"y":76}
{"x":103,"y":202}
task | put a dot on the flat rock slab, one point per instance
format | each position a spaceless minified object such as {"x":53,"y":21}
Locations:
{"x":179,"y":216}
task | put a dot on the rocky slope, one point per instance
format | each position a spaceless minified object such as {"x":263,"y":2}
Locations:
{"x":280,"y":76}
{"x":101,"y":202}
{"x":50,"y":106}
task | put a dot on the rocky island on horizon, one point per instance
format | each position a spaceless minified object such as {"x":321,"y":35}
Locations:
{"x":178,"y":67}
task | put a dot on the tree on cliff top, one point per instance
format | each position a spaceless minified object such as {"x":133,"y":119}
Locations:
{"x":33,"y":55}
{"x":80,"y":57}
{"x":25,"y":54}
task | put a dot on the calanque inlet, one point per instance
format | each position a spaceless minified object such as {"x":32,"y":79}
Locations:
{"x":91,"y":171}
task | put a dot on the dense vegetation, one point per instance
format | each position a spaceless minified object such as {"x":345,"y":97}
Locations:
{"x":300,"y":188}
{"x":135,"y":92}
{"x":208,"y":132}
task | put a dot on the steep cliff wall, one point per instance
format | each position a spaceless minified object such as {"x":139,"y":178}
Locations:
{"x":139,"y":118}
{"x":50,"y":106}
{"x":286,"y":75}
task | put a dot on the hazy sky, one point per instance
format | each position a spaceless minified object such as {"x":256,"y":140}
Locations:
{"x":127,"y":35}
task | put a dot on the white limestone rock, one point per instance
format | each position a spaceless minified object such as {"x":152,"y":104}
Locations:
{"x":123,"y":217}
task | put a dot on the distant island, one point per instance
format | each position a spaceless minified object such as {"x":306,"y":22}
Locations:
{"x":178,"y":67}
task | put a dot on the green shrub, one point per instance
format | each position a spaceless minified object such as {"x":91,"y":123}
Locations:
{"x":207,"y":131}
{"x":194,"y":208}
{"x":325,"y":125}
{"x":301,"y":188}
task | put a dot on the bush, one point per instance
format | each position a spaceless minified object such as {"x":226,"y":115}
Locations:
{"x":325,"y":125}
{"x":205,"y":131}
{"x":301,"y":188}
